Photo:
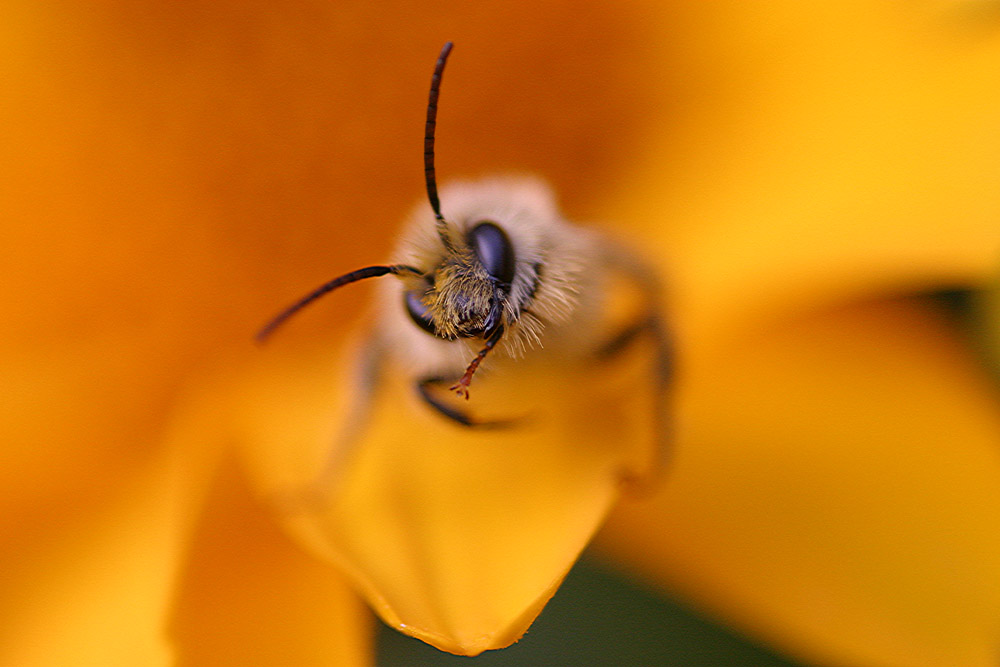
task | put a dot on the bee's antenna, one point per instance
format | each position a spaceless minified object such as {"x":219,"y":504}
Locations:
{"x":432,"y":193}
{"x":347,"y":278}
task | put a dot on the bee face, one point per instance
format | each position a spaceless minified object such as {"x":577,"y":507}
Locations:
{"x":467,"y":293}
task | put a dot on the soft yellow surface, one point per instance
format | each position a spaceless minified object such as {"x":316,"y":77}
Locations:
{"x":846,"y":504}
{"x":836,"y":486}
{"x":247,"y":595}
{"x":99,"y":594}
{"x":455,"y":536}
{"x":818,"y":152}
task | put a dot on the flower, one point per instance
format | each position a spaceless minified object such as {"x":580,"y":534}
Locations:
{"x":798,"y":171}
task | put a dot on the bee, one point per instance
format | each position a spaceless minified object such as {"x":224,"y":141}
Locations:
{"x":498,"y":277}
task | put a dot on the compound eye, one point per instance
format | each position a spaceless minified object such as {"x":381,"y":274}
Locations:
{"x":418,"y":312}
{"x":494,"y":251}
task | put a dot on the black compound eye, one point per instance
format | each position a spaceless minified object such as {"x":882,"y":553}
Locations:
{"x":418,"y":312}
{"x":494,"y":251}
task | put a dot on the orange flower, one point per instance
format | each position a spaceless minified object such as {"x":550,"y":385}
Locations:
{"x":174,"y":171}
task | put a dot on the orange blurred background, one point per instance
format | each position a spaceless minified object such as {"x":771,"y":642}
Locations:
{"x":171,"y":173}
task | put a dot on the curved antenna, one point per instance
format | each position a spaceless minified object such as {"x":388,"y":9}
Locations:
{"x":432,"y":193}
{"x":346,"y":279}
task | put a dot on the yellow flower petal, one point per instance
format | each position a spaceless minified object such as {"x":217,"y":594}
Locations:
{"x":837,"y":490}
{"x":456,"y":536}
{"x":815,"y":152}
{"x":247,"y":595}
{"x":91,"y":585}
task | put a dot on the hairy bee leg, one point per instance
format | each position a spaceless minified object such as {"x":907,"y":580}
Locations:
{"x":651,"y":323}
{"x":314,"y":494}
{"x":455,"y":414}
{"x":661,"y":373}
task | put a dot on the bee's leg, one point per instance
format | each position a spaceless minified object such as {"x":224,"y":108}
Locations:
{"x":661,"y":372}
{"x":650,"y":324}
{"x":424,"y":389}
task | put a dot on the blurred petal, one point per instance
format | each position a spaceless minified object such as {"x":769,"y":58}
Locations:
{"x":837,"y":490}
{"x":455,"y":536}
{"x":248,"y":596}
{"x":818,"y":152}
{"x":93,"y":586}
